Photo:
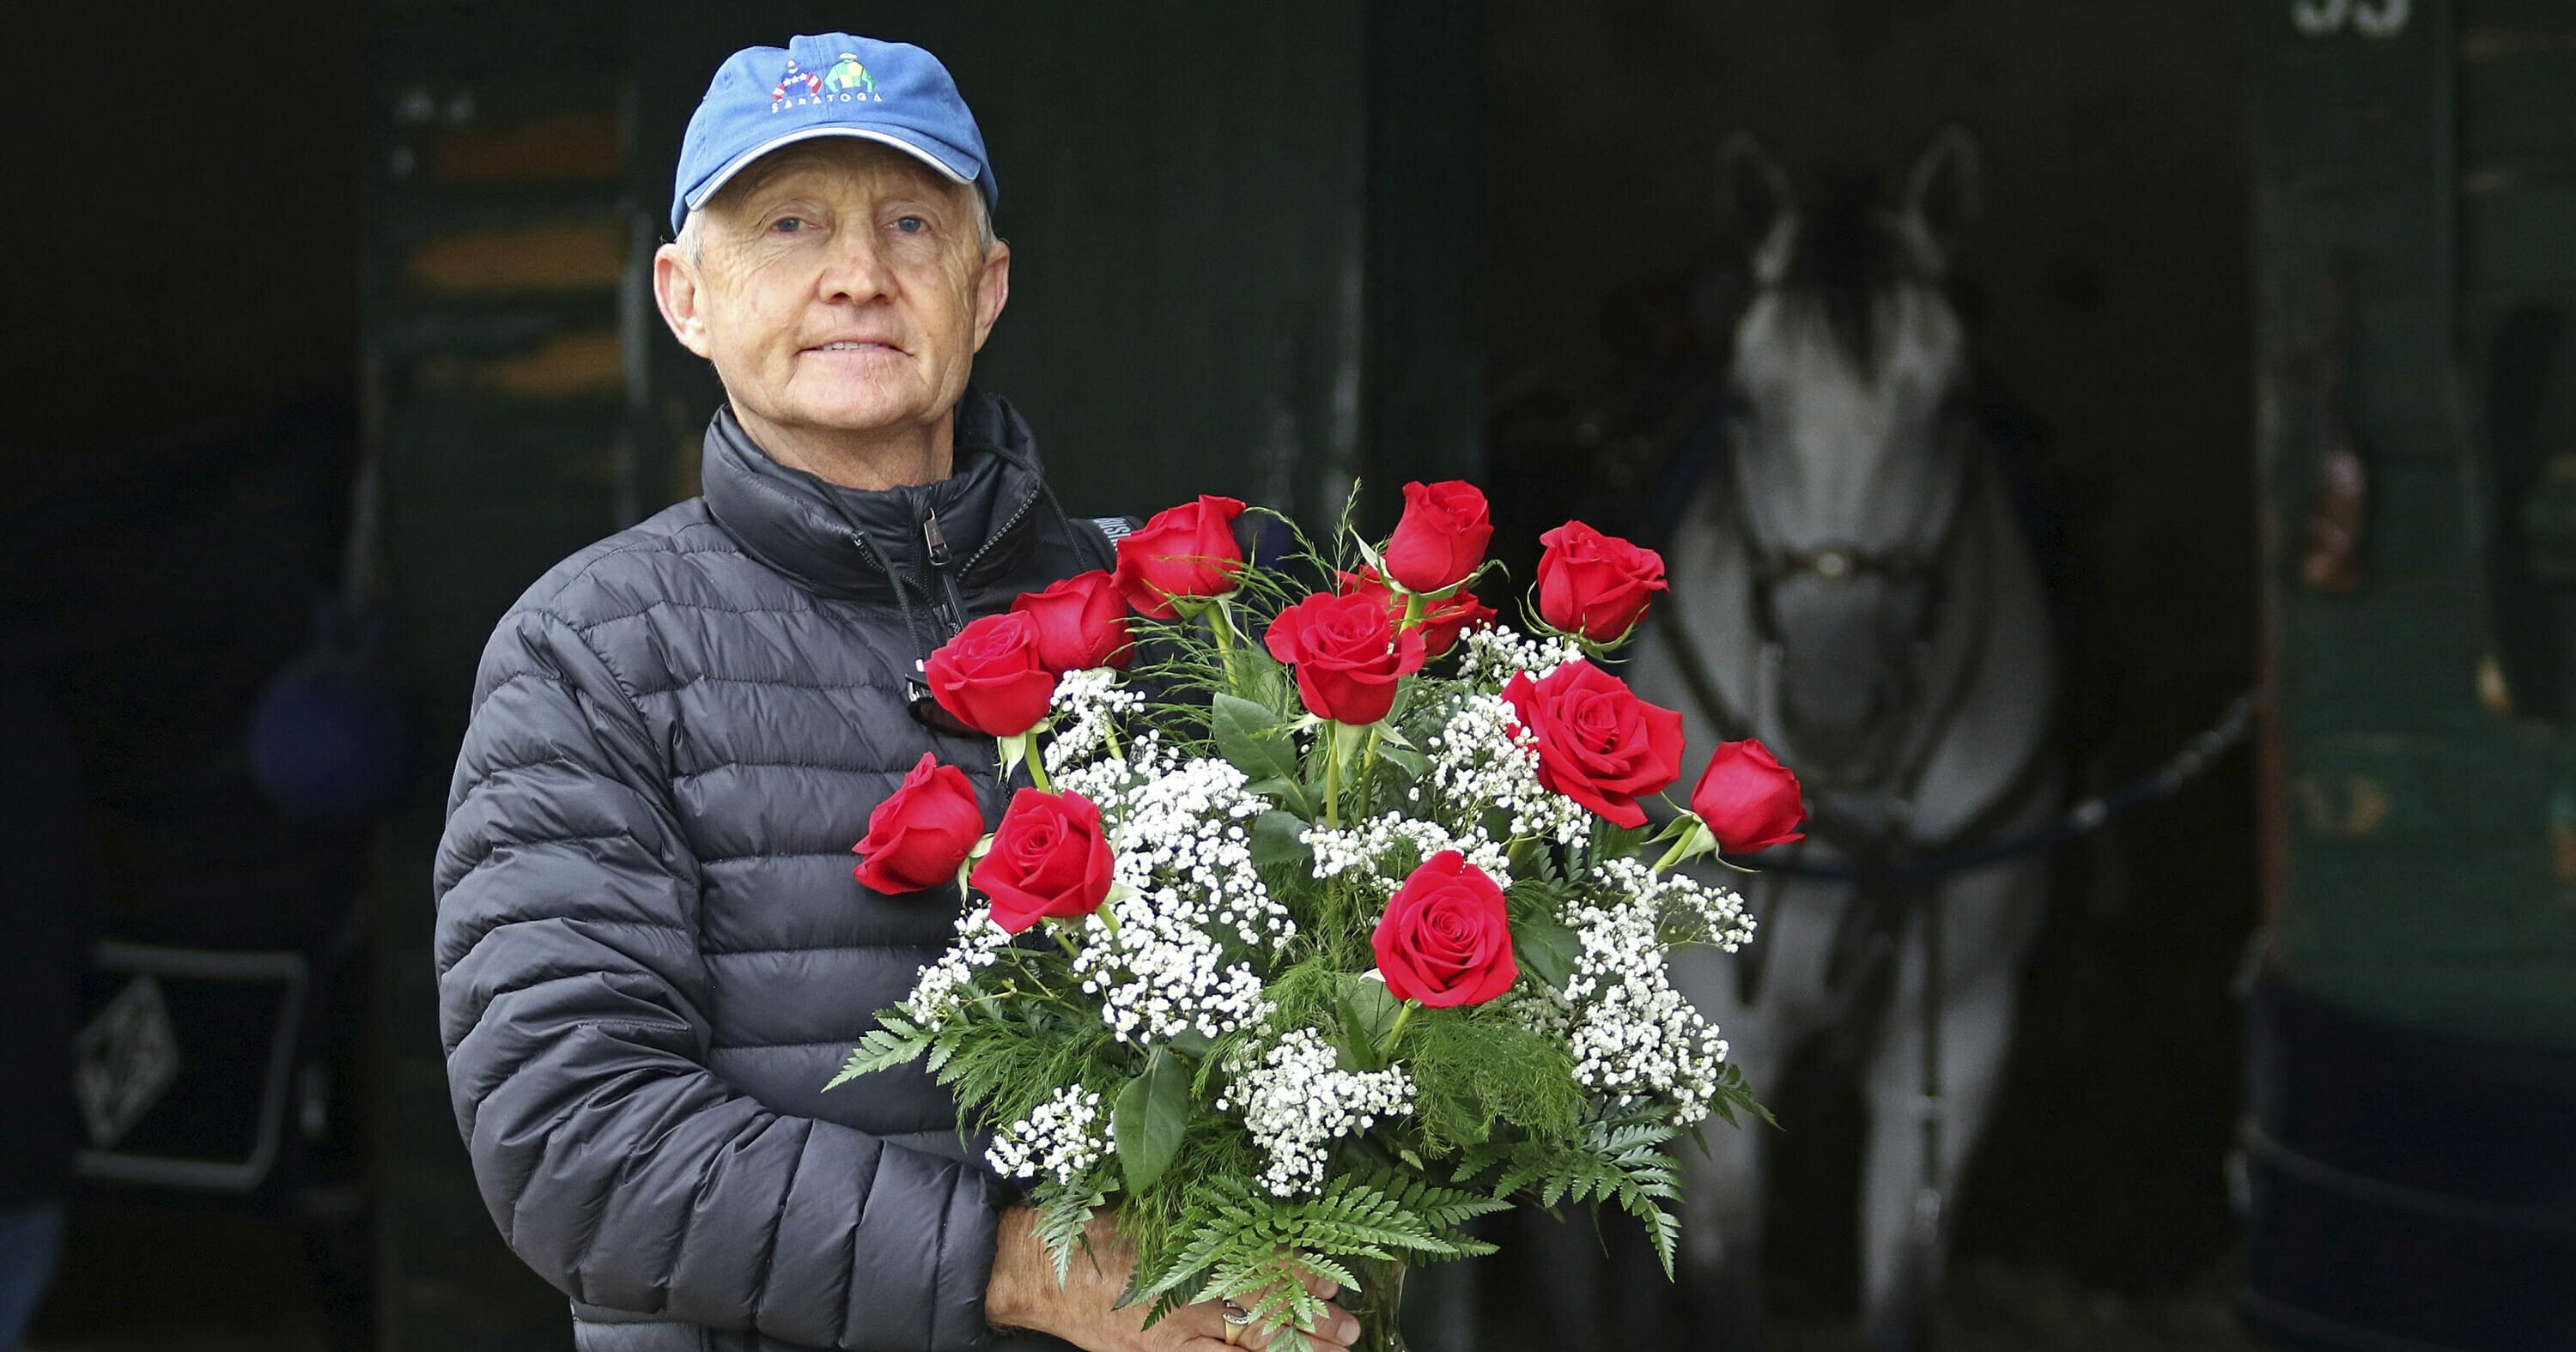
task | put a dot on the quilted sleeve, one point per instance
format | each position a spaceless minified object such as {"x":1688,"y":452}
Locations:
{"x":572,"y":1006}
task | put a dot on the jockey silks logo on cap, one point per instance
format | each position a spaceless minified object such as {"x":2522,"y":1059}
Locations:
{"x":846,"y":82}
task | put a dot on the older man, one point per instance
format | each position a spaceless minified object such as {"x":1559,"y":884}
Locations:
{"x":651,"y":952}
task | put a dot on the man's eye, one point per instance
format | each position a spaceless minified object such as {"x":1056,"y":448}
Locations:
{"x":788,"y":225}
{"x":911,"y":225}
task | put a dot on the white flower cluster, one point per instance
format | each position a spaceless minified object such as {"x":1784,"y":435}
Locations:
{"x":1482,"y":758}
{"x":1296,"y":1101}
{"x":1491,"y":656}
{"x":1685,"y":910}
{"x":1064,"y":1136}
{"x":1634,"y":1036}
{"x":1155,"y":955}
{"x":1368,"y":847}
{"x":1087,"y":705}
{"x":979,"y":943}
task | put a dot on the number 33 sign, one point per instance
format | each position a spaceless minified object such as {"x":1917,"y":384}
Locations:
{"x":2370,"y":18}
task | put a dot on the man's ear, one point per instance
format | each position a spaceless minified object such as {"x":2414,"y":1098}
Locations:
{"x":992,"y":291}
{"x":675,"y":290}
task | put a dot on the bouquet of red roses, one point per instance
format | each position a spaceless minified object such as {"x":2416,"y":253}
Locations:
{"x":1329,"y":922}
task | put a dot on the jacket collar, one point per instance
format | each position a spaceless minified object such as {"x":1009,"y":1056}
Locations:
{"x":810,"y":529}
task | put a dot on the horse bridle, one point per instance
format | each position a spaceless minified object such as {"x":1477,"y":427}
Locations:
{"x":1900,"y":567}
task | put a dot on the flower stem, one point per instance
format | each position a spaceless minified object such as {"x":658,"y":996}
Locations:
{"x":1064,"y":940}
{"x":1037,"y":762}
{"x":1332,"y":774}
{"x":1396,"y":1029}
{"x":1220,"y":613}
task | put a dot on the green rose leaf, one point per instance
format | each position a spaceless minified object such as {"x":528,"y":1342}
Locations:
{"x":1546,"y":950}
{"x":1251,"y":738}
{"x":1274,"y":838}
{"x":1368,"y":1015}
{"x":1152,"y":1113}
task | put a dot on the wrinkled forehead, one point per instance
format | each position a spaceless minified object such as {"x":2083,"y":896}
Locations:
{"x":836,"y":164}
{"x":1793,"y":349}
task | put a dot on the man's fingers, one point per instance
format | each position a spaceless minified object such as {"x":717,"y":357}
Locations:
{"x":1319,"y":1285}
{"x":1335,"y":1332}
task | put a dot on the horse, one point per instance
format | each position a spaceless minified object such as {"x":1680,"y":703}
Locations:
{"x":1851,"y":583}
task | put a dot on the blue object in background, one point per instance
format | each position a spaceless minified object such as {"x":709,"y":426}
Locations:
{"x":326,"y":743}
{"x":30,"y":1238}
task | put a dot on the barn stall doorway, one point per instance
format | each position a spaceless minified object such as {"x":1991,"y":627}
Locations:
{"x":2104,"y":285}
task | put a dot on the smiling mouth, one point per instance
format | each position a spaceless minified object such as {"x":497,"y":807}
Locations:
{"x":856,"y":347}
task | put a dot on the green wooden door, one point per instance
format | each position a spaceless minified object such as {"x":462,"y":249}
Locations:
{"x":2416,"y":222}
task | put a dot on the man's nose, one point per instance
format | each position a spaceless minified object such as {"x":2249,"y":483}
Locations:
{"x":857,"y":271}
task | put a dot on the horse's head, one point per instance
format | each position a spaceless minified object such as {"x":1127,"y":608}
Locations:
{"x":1845,"y":420}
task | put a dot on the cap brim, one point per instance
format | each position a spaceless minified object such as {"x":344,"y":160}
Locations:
{"x":743,"y":161}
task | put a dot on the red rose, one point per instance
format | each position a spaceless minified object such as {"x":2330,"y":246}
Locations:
{"x":1593,"y":584}
{"x":1348,"y":653}
{"x":1748,"y":798}
{"x":1082,"y":623}
{"x":1442,"y":621}
{"x":1441,"y":536}
{"x":1049,"y":858}
{"x":992,"y":677}
{"x":1187,"y":550}
{"x":1443,"y":940}
{"x":922,"y":831}
{"x":1598,"y":744}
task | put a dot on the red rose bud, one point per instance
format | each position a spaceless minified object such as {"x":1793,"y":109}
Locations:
{"x":1082,"y":623}
{"x":1748,"y":799}
{"x":1593,"y":584}
{"x":1441,"y":536}
{"x":991,"y":676}
{"x":1184,"y":551}
{"x":1442,"y":621}
{"x":1444,"y":940}
{"x":922,"y":831}
{"x":1348,"y":654}
{"x":1049,"y":858}
{"x":1598,"y":744}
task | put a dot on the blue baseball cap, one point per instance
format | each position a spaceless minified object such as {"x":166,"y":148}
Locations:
{"x":834,"y":84}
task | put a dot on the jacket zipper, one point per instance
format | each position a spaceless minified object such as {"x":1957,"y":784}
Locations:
{"x":948,"y":604}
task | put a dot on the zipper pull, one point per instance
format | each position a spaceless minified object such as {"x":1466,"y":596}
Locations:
{"x":933,"y":539}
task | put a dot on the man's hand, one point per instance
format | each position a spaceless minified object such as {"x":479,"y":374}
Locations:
{"x":1023,"y":1295}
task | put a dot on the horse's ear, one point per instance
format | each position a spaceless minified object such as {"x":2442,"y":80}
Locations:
{"x":1754,"y":208}
{"x":1941,"y":195}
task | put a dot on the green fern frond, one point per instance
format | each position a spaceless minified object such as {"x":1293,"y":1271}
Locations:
{"x":893,"y":1044}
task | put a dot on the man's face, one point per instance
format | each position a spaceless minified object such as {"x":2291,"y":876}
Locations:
{"x":840,"y":286}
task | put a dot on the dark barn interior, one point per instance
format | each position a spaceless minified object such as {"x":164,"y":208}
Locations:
{"x":383,"y":283}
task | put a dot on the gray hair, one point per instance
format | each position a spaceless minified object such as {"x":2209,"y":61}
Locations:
{"x":692,"y":240}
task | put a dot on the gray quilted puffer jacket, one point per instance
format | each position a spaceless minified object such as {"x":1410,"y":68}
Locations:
{"x":651,"y":951}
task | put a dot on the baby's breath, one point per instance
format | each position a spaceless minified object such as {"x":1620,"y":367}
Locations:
{"x":1088,"y":706}
{"x":1061,"y":1138}
{"x":1491,"y":656}
{"x":934,"y":994}
{"x":1635,"y":1038}
{"x":1180,"y":834}
{"x":1369,"y":847}
{"x":1483,"y":760}
{"x":1296,"y":1101}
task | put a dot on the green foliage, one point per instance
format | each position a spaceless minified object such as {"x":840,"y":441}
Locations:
{"x":1064,"y":1222}
{"x":1249,"y":1244}
{"x":895,"y":1042}
{"x":1152,"y":1114}
{"x":1476,"y":1071}
{"x":1617,"y":1160}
